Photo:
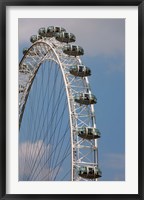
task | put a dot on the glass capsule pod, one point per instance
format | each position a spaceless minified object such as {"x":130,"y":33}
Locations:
{"x":73,"y":50}
{"x":42,"y":32}
{"x":52,"y":30}
{"x":65,"y":37}
{"x":33,"y":38}
{"x":89,"y":172}
{"x":85,"y":98}
{"x":88,"y":133}
{"x":25,"y":51}
{"x":80,"y":70}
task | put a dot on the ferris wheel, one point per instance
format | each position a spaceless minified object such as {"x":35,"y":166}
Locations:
{"x":57,"y":123}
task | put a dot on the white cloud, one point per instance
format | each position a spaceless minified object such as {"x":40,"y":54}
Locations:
{"x":114,"y":165}
{"x":119,"y":177}
{"x":30,"y":154}
{"x":114,"y":161}
{"x":96,"y":36}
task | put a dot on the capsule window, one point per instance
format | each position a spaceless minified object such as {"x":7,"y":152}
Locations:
{"x":87,"y":96}
{"x":81,"y":50}
{"x":66,"y":35}
{"x":91,"y":171}
{"x":50,"y":29}
{"x":42,"y":30}
{"x":90,"y":131}
{"x":91,"y":96}
{"x":57,"y":29}
{"x":74,"y":48}
{"x":80,"y":68}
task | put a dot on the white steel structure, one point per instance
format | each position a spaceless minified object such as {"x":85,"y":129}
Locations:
{"x":47,"y":51}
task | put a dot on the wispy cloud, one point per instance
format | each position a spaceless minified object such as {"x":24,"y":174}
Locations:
{"x":114,"y":161}
{"x":32,"y":158}
{"x":114,"y":165}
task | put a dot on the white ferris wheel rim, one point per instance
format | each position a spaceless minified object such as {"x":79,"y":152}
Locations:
{"x":50,"y":44}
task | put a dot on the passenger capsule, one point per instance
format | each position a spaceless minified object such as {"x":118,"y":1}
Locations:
{"x":25,"y":50}
{"x":52,"y":30}
{"x":73,"y":50}
{"x":33,"y":38}
{"x":42,"y":32}
{"x":80,"y":70}
{"x":65,"y":37}
{"x":85,"y":98}
{"x":88,"y":133}
{"x":89,"y":172}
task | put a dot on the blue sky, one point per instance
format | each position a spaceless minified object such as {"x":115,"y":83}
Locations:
{"x":103,"y":41}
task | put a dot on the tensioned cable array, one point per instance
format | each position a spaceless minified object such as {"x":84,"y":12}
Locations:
{"x":58,"y":135}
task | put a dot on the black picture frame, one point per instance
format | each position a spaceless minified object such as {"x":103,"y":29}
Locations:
{"x":3,"y":126}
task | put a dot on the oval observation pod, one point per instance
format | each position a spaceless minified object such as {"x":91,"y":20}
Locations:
{"x":65,"y":37}
{"x":80,"y":70}
{"x":85,"y":98}
{"x":33,"y":38}
{"x":73,"y":50}
{"x":89,"y":172}
{"x":42,"y":32}
{"x":52,"y":30}
{"x":88,"y":133}
{"x":25,"y":50}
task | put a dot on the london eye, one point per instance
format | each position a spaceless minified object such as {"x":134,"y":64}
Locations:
{"x":58,"y":137}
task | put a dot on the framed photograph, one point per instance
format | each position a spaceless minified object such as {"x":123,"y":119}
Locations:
{"x":71,"y":99}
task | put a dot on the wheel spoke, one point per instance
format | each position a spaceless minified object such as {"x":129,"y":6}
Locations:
{"x":54,"y":103}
